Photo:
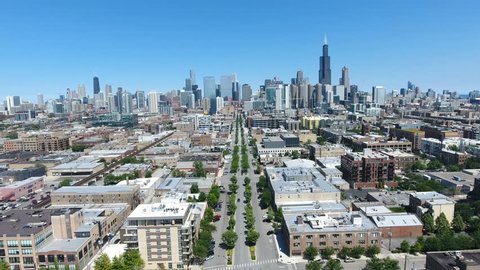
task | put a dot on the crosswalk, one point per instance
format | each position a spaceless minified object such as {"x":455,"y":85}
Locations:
{"x":242,"y":266}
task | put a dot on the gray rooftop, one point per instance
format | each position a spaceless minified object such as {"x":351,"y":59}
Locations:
{"x":94,"y":189}
{"x":298,"y":180}
{"x":24,"y":222}
{"x":64,"y":245}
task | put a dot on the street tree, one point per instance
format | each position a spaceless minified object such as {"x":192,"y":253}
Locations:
{"x":372,"y":251}
{"x":405,"y":246}
{"x":198,"y":169}
{"x":442,"y":226}
{"x":382,"y":264}
{"x":252,"y":237}
{"x":101,"y":263}
{"x":333,"y":264}
{"x":310,"y":253}
{"x":194,"y":188}
{"x":327,"y":252}
{"x":229,"y":238}
{"x":313,"y":265}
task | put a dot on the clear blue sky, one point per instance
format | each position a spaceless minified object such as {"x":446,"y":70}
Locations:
{"x":47,"y":46}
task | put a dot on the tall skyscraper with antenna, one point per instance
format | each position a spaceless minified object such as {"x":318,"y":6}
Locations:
{"x":325,"y":73}
{"x":96,"y":85}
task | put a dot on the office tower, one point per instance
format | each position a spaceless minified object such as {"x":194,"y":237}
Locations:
{"x":325,"y":73}
{"x":226,"y":85}
{"x":219,"y":103}
{"x":246,"y":92}
{"x":294,"y":96}
{"x":235,"y":88}
{"x":96,"y":85}
{"x":81,"y":91}
{"x":13,"y":102}
{"x":270,"y":95}
{"x":345,"y":81}
{"x":187,"y":99}
{"x":112,"y":107}
{"x":282,"y":97}
{"x":327,"y":93}
{"x":40,"y":101}
{"x":403,"y":91}
{"x":193,"y":77}
{"x":153,"y":102}
{"x":299,"y":78}
{"x":209,"y":87}
{"x":378,"y":95}
{"x":127,"y":101}
{"x":410,"y":85}
{"x":197,"y":92}
{"x":119,"y":99}
{"x":188,"y":85}
{"x":108,"y":90}
{"x":317,"y":95}
{"x":140,"y":97}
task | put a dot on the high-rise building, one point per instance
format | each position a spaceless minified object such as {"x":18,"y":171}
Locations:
{"x":96,"y":85}
{"x":81,"y":91}
{"x":226,"y":85}
{"x":209,"y":87}
{"x":40,"y":101}
{"x":108,"y":90}
{"x":345,"y":81}
{"x":119,"y":99}
{"x":325,"y":73}
{"x":127,"y":103}
{"x":153,"y":102}
{"x":220,"y":104}
{"x":12,"y":103}
{"x":246,"y":92}
{"x":378,"y":95}
{"x":140,"y":97}
{"x":235,"y":88}
{"x":193,"y":77}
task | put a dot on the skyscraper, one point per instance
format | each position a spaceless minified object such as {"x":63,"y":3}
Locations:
{"x":325,"y":73}
{"x":378,"y":95}
{"x":246,"y":92}
{"x":209,"y":87}
{"x":40,"y":101}
{"x":345,"y":80}
{"x":153,"y":102}
{"x":96,"y":85}
{"x":140,"y":96}
{"x":119,"y":99}
{"x":193,"y":78}
{"x":226,"y":85}
{"x":12,"y":103}
{"x":235,"y":88}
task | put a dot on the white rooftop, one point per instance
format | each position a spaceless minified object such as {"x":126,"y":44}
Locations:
{"x":396,"y":220}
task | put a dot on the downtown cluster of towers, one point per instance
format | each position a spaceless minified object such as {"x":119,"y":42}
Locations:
{"x":274,"y":94}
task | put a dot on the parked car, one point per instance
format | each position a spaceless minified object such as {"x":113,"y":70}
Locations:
{"x":216,"y":218}
{"x":349,"y":260}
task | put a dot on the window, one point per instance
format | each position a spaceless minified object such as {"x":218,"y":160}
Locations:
{"x":323,"y":236}
{"x":13,"y":251}
{"x":309,"y":236}
{"x":41,"y":258}
{"x":26,"y":251}
{"x":26,"y":243}
{"x":361,"y":235}
{"x":28,"y":260}
{"x":71,"y":258}
{"x":296,"y":237}
{"x":335,"y":235}
{"x":335,"y":243}
{"x":375,"y":234}
{"x":12,"y":243}
{"x":296,"y":244}
{"x":361,"y":242}
{"x":14,"y":260}
{"x":322,"y":244}
{"x":348,"y":235}
{"x":51,"y":258}
{"x":348,"y":242}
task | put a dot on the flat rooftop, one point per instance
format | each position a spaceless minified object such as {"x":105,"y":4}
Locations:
{"x":298,"y":180}
{"x":24,"y":222}
{"x":165,"y":210}
{"x":396,"y":220}
{"x":82,"y":163}
{"x":64,"y":245}
{"x":94,"y":189}
{"x":449,"y":261}
{"x":329,"y":223}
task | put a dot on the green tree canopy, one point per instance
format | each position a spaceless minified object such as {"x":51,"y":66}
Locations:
{"x":103,"y":263}
{"x":229,"y":238}
{"x":457,"y":224}
{"x":4,"y":265}
{"x":327,"y":252}
{"x":405,"y":246}
{"x":382,"y":264}
{"x":194,"y":188}
{"x":333,"y":264}
{"x":198,"y":169}
{"x":252,"y":237}
{"x":310,"y":253}
{"x":372,"y":251}
{"x":313,"y":265}
{"x":428,"y":223}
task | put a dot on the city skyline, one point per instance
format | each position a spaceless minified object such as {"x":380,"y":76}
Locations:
{"x":135,"y":55}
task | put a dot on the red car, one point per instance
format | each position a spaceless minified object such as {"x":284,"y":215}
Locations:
{"x":216,"y":218}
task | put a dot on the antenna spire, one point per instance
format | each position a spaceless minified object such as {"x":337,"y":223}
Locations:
{"x":325,"y":42}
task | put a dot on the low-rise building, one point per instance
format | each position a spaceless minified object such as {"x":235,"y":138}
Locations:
{"x":332,"y":229}
{"x":22,"y":233}
{"x":433,"y":202}
{"x":453,"y":260}
{"x":81,"y":167}
{"x":402,"y":159}
{"x":97,"y":195}
{"x":164,"y":233}
{"x":19,"y":189}
{"x":321,"y":151}
{"x":297,"y":186}
{"x":212,"y":162}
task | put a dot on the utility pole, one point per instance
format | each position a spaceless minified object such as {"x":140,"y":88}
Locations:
{"x":405,"y":263}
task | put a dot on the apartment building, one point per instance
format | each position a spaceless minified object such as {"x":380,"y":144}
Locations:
{"x":368,"y":169}
{"x":164,"y":233}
